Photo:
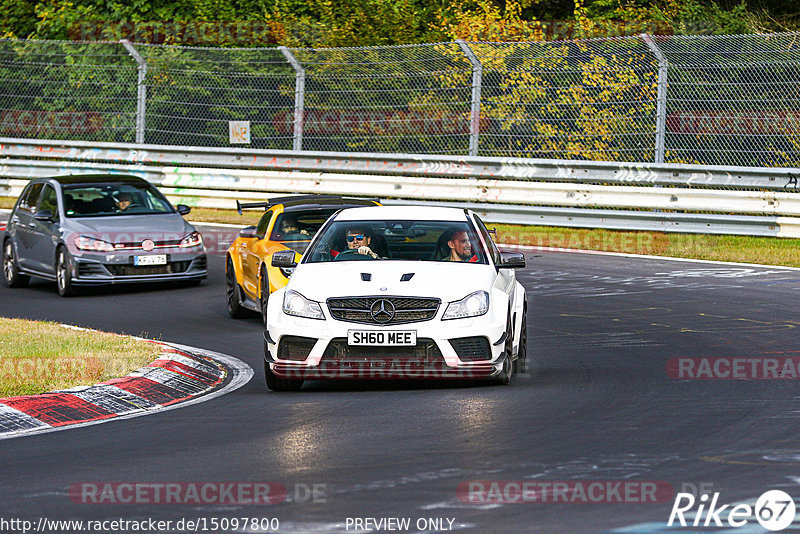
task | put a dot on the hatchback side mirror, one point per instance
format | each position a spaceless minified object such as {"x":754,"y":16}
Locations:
{"x":248,"y":232}
{"x":183,"y":209}
{"x":512,"y":260}
{"x":284,"y":258}
{"x":44,"y":216}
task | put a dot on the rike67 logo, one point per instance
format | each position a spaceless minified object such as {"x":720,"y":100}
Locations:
{"x":774,"y":511}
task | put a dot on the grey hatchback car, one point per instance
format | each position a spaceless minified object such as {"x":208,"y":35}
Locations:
{"x":99,"y":229}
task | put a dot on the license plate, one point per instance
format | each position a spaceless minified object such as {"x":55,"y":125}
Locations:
{"x":158,"y":259}
{"x":382,"y":338}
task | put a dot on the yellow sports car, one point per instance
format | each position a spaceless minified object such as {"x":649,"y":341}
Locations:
{"x":288,"y":223}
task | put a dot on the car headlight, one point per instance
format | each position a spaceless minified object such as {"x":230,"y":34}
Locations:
{"x":472,"y":305}
{"x":92,"y":244}
{"x":192,"y":240}
{"x":296,"y":304}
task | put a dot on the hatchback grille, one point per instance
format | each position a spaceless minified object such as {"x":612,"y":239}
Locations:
{"x":148,"y":270}
{"x":406,"y":309}
{"x":470,"y":349}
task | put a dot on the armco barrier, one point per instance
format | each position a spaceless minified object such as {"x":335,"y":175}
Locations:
{"x":745,"y":201}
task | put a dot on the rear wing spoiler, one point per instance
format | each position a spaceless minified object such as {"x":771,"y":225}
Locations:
{"x":293,"y":198}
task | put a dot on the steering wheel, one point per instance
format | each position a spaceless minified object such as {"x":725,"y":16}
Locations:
{"x":133,"y":205}
{"x":351,"y":254}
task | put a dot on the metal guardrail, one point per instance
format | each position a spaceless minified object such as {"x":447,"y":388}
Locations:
{"x":646,"y":174}
{"x":518,"y":191}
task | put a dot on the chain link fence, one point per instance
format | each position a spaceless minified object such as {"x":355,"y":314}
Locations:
{"x":722,"y":100}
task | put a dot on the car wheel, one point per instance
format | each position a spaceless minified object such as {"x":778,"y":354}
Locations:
{"x":521,"y":362}
{"x":63,"y":273}
{"x":11,"y":269}
{"x":233,"y":293}
{"x":508,"y":366}
{"x":264,"y":294}
{"x":276,"y":383}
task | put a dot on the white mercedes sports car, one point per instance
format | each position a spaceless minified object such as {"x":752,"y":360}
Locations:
{"x":397,"y":292}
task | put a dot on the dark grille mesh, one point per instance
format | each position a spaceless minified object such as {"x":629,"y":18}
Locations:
{"x":470,"y":349}
{"x":145,"y":270}
{"x":407,"y":309}
{"x":295,"y":347}
{"x":91,"y":269}
{"x":425,"y":351}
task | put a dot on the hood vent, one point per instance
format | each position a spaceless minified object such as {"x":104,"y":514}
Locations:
{"x":406,"y":277}
{"x":366,"y":277}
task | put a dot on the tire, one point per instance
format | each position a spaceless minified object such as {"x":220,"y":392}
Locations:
{"x":233,"y":295}
{"x":521,"y":362}
{"x":64,"y":273}
{"x":508,"y":366}
{"x":11,"y":275}
{"x":264,"y":298}
{"x":276,"y":383}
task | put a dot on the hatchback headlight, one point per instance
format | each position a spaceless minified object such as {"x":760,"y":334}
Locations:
{"x":192,"y":240}
{"x":93,"y":245}
{"x":472,"y":305}
{"x":296,"y":304}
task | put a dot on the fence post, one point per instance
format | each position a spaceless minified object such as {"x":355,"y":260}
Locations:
{"x":141,"y":89}
{"x":299,"y":97}
{"x":475,"y":112}
{"x":661,"y":98}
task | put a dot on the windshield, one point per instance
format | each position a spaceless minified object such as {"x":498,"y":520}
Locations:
{"x":454,"y":241}
{"x":102,"y":200}
{"x":296,"y":228}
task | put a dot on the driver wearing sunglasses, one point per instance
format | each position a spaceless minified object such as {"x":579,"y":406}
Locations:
{"x":358,"y":238}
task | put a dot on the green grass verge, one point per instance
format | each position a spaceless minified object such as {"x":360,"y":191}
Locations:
{"x":769,"y":250}
{"x":36,"y":357}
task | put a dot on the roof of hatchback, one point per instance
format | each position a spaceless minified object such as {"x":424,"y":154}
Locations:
{"x":402,"y":213}
{"x":69,"y":179}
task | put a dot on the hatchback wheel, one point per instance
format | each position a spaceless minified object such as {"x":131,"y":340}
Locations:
{"x":11,"y":269}
{"x":63,"y":274}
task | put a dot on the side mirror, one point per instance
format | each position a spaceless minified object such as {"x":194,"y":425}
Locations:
{"x":43,"y":216}
{"x":183,"y":209}
{"x":511,"y":260}
{"x":284,"y":258}
{"x":248,"y":232}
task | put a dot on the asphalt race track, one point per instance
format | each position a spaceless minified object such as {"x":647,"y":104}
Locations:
{"x":601,"y":406}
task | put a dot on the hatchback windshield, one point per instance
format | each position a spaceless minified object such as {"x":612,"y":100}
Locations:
{"x":454,"y":241}
{"x":97,"y":200}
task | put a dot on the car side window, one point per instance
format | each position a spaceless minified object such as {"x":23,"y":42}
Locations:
{"x":261,"y":229}
{"x":493,"y":250}
{"x":29,"y":202}
{"x":49,"y":201}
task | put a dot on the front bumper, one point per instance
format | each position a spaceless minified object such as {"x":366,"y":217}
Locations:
{"x":327,"y":355}
{"x":119,"y":268}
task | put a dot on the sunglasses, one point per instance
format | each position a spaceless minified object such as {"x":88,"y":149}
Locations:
{"x":358,"y":237}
